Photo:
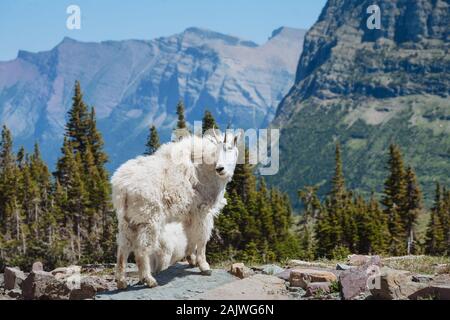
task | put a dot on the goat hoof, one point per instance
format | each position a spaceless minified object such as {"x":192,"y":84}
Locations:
{"x":122,"y":284}
{"x":206,"y":272}
{"x":151,"y":283}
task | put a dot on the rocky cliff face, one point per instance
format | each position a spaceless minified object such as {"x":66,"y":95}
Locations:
{"x":136,"y":83}
{"x":367,"y":89}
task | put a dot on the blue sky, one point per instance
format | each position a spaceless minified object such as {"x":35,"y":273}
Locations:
{"x":36,"y":25}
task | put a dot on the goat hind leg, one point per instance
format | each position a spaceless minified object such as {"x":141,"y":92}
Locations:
{"x":122,"y":257}
{"x":145,"y":275}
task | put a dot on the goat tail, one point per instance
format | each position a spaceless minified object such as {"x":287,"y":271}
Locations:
{"x":120,"y":203}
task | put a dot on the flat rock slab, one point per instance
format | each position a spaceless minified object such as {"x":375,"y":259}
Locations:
{"x":179,"y":282}
{"x":257,"y":287}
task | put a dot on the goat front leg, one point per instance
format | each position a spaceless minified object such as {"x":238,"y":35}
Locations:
{"x":191,"y":257}
{"x":201,"y":259}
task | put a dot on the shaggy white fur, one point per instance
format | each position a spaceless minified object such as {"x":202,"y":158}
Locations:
{"x":175,"y":193}
{"x":172,"y":247}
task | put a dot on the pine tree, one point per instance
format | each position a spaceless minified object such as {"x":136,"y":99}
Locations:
{"x":208,"y":122}
{"x":8,"y":182}
{"x":152,"y":141}
{"x":394,"y":201}
{"x":265,"y":214}
{"x":81,"y":174}
{"x":338,"y":191}
{"x":446,"y":218}
{"x":181,"y":123}
{"x":435,"y":237}
{"x":77,"y":127}
{"x":413,"y":204}
{"x":181,"y":129}
{"x":96,"y":144}
{"x":311,"y":202}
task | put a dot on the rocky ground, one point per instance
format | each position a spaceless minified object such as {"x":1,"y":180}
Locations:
{"x":359,"y":277}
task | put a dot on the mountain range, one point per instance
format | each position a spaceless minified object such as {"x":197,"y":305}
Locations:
{"x":136,"y":83}
{"x":367,"y":88}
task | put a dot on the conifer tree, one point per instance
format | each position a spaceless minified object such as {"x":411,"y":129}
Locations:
{"x":77,"y":127}
{"x":8,"y":181}
{"x":338,"y":182}
{"x":152,"y":141}
{"x":81,"y":174}
{"x":394,"y":201}
{"x":413,"y":204}
{"x":435,"y":237}
{"x":96,"y":144}
{"x":208,"y":122}
{"x":181,"y":123}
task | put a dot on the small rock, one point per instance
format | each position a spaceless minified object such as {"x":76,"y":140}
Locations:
{"x":284,"y":274}
{"x":241,"y":271}
{"x":422,"y":278}
{"x":13,"y":278}
{"x":360,"y":260}
{"x":343,"y":266}
{"x":37,"y":266}
{"x":88,"y":288}
{"x":41,"y":285}
{"x":271,"y":269}
{"x":302,"y":277}
{"x":65,"y":272}
{"x":317,"y":288}
{"x":442,"y":268}
{"x":395,"y":285}
{"x":15,"y":293}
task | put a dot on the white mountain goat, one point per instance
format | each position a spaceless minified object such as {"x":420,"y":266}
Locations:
{"x":183,"y":182}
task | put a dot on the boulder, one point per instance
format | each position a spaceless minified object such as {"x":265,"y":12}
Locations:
{"x":396,"y":285}
{"x":13,"y":278}
{"x":241,"y":271}
{"x":314,"y":288}
{"x":435,"y":288}
{"x":88,"y":288}
{"x":37,"y":266}
{"x":354,"y":281}
{"x":302,"y":277}
{"x":271,"y":269}
{"x":41,"y":285}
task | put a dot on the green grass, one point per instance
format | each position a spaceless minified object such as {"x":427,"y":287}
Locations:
{"x":418,"y":264}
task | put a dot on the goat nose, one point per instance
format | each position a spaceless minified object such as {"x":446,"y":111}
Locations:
{"x":219,"y":169}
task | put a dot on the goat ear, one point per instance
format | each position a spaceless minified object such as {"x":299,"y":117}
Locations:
{"x":236,"y":138}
